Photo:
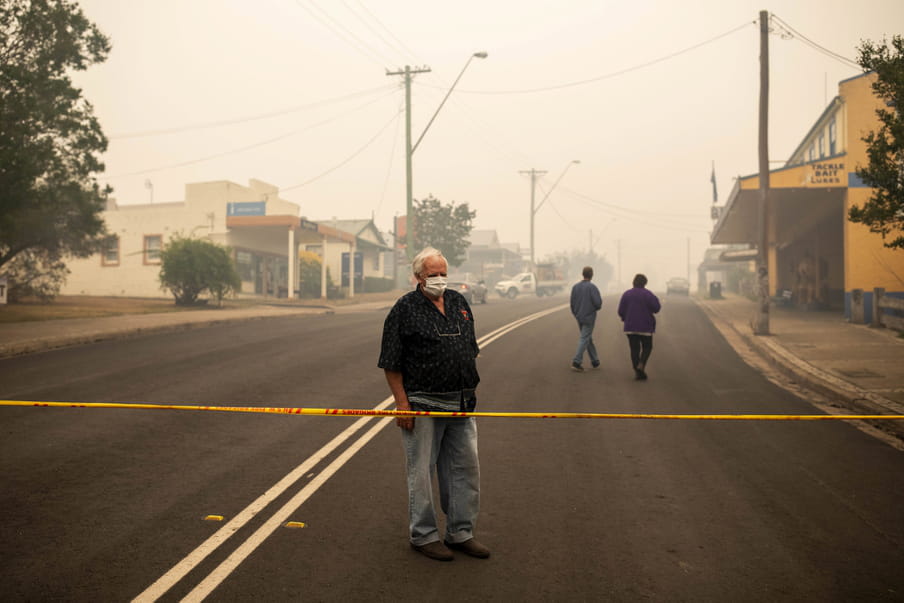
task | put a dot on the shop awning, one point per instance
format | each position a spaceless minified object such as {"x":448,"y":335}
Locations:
{"x":801,"y":196}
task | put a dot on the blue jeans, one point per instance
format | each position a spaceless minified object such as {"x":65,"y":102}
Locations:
{"x":447,"y":448}
{"x":586,"y":343}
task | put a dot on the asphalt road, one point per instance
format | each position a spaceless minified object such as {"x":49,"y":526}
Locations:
{"x":111,"y":504}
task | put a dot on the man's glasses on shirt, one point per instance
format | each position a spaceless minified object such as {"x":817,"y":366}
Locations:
{"x":448,"y":334}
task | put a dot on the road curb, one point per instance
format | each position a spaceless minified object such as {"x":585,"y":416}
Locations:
{"x":55,"y":342}
{"x":854,"y":398}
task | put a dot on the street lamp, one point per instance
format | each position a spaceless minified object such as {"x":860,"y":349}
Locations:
{"x":534,"y":210}
{"x":409,"y":149}
{"x":479,"y":55}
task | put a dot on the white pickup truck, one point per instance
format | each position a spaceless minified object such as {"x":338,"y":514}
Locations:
{"x":550,"y":282}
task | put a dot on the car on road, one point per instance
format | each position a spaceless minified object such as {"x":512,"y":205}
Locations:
{"x":677,"y":285}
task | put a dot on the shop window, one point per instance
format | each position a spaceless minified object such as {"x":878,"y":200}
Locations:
{"x":153,"y":244}
{"x":244,"y":263}
{"x":822,"y":145}
{"x":833,"y":138}
{"x":811,"y":153}
{"x":110,"y":254}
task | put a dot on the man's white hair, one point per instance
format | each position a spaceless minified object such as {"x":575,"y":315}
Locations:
{"x":417,"y":265}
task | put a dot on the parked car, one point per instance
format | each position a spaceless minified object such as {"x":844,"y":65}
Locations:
{"x":677,"y":285}
{"x":463,"y":288}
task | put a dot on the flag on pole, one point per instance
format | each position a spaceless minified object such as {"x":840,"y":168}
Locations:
{"x":712,"y":179}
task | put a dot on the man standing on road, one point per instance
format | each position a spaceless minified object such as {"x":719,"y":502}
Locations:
{"x":585,"y":303}
{"x":636,"y":309}
{"x":428,"y":353}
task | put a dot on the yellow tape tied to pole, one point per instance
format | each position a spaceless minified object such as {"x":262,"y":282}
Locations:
{"x":354,"y":412}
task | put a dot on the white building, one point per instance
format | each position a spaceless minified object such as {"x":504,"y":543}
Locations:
{"x":262,"y":230}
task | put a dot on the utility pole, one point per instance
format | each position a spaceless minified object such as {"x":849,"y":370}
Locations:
{"x":408,"y":72}
{"x":534,"y":174}
{"x":761,"y":320}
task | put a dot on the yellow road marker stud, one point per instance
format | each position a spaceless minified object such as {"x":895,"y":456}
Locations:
{"x":214,"y":518}
{"x":295,"y":524}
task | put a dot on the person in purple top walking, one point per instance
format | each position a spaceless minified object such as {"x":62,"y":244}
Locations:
{"x":636,"y":309}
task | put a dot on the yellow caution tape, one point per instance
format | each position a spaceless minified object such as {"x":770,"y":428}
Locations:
{"x":354,"y":412}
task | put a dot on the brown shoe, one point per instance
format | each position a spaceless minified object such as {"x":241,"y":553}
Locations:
{"x":434,"y":550}
{"x":470,"y":547}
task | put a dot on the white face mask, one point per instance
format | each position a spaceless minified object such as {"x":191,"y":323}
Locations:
{"x":435,"y":285}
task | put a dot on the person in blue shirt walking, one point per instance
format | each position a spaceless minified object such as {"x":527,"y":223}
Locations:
{"x":585,"y":303}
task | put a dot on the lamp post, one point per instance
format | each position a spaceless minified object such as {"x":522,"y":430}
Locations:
{"x":534,"y":210}
{"x":409,"y":148}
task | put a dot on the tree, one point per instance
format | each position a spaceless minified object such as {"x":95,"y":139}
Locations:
{"x":884,"y":211}
{"x":577,"y":259}
{"x":191,"y":266}
{"x":50,"y":141}
{"x":445,"y":227}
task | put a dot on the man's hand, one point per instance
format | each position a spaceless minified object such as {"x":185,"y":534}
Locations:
{"x":406,"y":423}
{"x":394,"y":379}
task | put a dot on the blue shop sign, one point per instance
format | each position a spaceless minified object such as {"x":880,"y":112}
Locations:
{"x":250,"y":208}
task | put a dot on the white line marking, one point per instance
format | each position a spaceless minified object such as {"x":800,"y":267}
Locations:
{"x":179,"y":571}
{"x":169,"y":579}
{"x":255,"y":540}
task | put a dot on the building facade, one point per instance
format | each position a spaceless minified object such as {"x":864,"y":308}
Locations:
{"x":816,"y":257}
{"x":265,"y":234}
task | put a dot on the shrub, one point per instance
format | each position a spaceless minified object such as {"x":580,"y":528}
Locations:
{"x":34,"y":273}
{"x":190,"y":267}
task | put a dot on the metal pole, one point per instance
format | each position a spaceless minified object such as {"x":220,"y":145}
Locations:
{"x":761,"y":321}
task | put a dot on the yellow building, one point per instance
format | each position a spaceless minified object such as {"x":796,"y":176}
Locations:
{"x":814,"y":251}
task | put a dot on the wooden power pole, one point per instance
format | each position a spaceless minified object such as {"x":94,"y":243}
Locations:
{"x":761,"y":320}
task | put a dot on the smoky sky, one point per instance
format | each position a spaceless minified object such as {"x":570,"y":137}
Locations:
{"x":649,"y":97}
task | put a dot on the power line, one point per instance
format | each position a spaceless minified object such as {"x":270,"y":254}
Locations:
{"x":407,"y":50}
{"x":651,"y":218}
{"x":334,"y":25}
{"x":372,"y":29}
{"x":249,"y":118}
{"x":395,"y":141}
{"x":244,"y":148}
{"x":793,"y":33}
{"x":615,"y":73}
{"x":349,"y":158}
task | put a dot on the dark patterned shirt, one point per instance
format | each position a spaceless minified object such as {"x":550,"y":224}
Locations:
{"x":435,"y":353}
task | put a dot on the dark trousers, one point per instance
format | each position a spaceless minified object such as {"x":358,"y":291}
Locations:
{"x":641,"y":348}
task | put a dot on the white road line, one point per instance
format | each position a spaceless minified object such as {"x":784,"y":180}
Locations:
{"x":193,"y":559}
{"x":255,"y":540}
{"x":169,"y":579}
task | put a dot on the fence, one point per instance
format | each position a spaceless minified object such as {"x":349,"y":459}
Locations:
{"x":888,"y":311}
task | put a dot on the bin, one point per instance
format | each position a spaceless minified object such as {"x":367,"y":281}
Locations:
{"x":715,"y":290}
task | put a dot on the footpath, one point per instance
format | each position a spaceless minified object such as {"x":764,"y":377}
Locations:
{"x":19,"y":338}
{"x":858,"y":368}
